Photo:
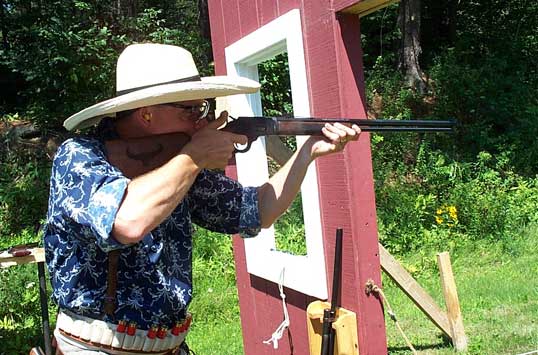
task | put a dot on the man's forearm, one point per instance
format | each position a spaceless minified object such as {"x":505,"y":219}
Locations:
{"x":152,"y":197}
{"x":275,"y":196}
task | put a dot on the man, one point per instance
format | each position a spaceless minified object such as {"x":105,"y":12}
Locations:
{"x":118,"y":234}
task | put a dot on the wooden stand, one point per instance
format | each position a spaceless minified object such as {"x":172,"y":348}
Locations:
{"x":35,"y":255}
{"x":454,"y":316}
{"x":449,"y":322}
{"x":345,"y":327}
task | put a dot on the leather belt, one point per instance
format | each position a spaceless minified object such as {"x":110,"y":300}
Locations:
{"x":95,"y":333}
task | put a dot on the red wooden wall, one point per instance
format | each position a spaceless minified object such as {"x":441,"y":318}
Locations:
{"x":335,"y":77}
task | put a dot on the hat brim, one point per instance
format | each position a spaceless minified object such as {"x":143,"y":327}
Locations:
{"x":208,"y":87}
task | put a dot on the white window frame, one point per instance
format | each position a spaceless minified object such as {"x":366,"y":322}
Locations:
{"x":306,"y":274}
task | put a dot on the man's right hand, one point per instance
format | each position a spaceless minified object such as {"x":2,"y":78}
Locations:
{"x":211,"y":148}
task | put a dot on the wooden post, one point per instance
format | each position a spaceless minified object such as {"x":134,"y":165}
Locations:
{"x":452,"y":303}
{"x":414,"y":291}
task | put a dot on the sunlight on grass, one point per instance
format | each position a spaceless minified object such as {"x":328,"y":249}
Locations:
{"x":498,"y":296}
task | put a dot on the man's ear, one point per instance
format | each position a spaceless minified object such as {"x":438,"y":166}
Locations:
{"x":145,"y":114}
{"x":133,"y":124}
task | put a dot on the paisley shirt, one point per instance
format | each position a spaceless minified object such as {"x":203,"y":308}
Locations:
{"x":154,"y":275}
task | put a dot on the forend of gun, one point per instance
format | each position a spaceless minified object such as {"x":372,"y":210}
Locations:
{"x":254,"y":127}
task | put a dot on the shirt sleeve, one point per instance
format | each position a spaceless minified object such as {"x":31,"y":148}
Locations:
{"x":223,"y":205}
{"x":86,"y":192}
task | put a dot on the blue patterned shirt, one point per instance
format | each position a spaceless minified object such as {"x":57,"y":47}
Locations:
{"x":154,"y":276}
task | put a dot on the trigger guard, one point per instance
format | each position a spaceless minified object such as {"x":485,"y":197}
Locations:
{"x":237,"y":150}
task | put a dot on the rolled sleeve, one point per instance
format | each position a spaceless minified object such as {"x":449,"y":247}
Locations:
{"x":223,"y":205}
{"x":102,"y":208}
{"x":86,"y":192}
{"x":249,"y":221}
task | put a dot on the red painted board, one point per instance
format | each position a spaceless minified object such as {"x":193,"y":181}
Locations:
{"x":248,"y":16}
{"x":371,"y":332}
{"x":232,"y":26}
{"x":267,"y":11}
{"x":336,"y":88}
{"x":285,"y":6}
{"x":217,"y":35}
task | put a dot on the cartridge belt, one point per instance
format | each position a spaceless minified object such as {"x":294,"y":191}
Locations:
{"x":121,"y":336}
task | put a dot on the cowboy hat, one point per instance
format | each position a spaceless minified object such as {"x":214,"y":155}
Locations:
{"x":152,"y":74}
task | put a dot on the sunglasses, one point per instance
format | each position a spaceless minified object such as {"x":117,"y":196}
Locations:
{"x":201,"y":110}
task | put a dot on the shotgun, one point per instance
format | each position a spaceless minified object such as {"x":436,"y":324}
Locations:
{"x":329,"y":315}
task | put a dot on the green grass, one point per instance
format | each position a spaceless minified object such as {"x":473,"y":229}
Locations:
{"x":496,"y":281}
{"x":498,"y":293}
{"x":216,"y":327}
{"x":497,"y":288}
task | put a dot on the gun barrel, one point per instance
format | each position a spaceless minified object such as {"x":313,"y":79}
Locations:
{"x":312,"y":126}
{"x":337,"y":271}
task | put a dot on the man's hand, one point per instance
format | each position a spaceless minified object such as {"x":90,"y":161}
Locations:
{"x":210,"y":148}
{"x":336,"y":137}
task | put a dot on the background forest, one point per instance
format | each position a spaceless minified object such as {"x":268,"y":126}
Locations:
{"x":473,"y":193}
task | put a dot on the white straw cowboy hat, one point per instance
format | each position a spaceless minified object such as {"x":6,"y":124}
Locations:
{"x":152,"y":74}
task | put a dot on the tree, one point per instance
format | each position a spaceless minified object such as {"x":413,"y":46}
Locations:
{"x":410,"y":49}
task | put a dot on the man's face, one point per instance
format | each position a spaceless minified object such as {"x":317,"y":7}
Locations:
{"x":185,"y":116}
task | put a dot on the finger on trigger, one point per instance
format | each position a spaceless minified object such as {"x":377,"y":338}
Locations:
{"x":220,"y":121}
{"x":239,"y":139}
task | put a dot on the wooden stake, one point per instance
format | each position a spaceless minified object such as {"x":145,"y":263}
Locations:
{"x":452,"y":303}
{"x":414,"y":291}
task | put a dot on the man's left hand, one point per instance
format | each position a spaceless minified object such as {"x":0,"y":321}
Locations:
{"x":336,"y":137}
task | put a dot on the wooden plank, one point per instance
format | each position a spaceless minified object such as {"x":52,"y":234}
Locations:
{"x":452,"y":302}
{"x":267,"y":11}
{"x":37,"y":256}
{"x":232,"y":25}
{"x":248,"y":16}
{"x":362,"y":8}
{"x":218,"y":36}
{"x":414,"y":291}
{"x":357,"y":166}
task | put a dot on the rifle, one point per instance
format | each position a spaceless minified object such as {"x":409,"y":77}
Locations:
{"x":329,"y":315}
{"x":254,"y":127}
{"x":135,"y":156}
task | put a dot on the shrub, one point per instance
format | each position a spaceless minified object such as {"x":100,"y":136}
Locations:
{"x":443,"y":199}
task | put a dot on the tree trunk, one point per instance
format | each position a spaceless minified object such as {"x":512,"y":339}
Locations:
{"x":452,"y":15}
{"x":3,"y":27}
{"x":409,"y":24}
{"x":204,"y":26}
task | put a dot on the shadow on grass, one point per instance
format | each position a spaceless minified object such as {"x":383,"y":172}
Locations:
{"x":444,"y":343}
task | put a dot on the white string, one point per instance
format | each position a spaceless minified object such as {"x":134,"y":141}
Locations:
{"x":277,"y":335}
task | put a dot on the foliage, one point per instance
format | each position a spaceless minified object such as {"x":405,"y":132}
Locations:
{"x":441,"y":202}
{"x":20,"y":314}
{"x":494,"y":103}
{"x":290,"y":230}
{"x":59,"y":57}
{"x":215,"y":304}
{"x":23,"y":190}
{"x":276,"y":88}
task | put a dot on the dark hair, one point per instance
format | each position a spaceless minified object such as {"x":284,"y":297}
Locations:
{"x":106,"y":129}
